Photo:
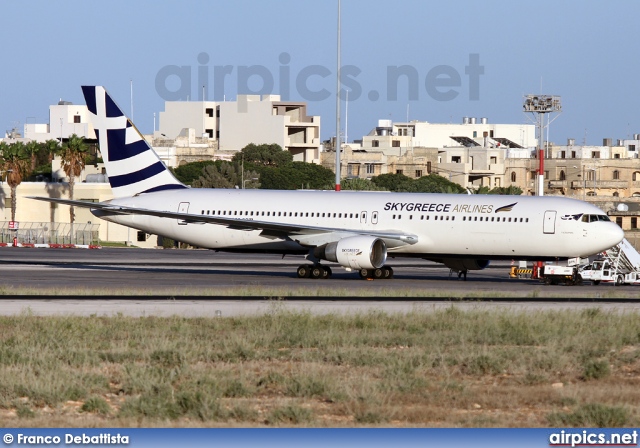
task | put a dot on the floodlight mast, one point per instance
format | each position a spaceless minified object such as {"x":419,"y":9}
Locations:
{"x":541,"y":105}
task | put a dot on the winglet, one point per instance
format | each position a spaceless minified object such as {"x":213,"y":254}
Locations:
{"x":132,"y":165}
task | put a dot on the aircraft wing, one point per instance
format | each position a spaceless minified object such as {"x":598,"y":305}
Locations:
{"x":304,"y":234}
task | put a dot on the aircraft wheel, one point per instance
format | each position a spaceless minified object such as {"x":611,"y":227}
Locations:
{"x":378,"y":273}
{"x":317,"y":272}
{"x":327,"y":272}
{"x":595,"y":282}
{"x":304,"y":271}
{"x":365,"y":273}
{"x":388,"y":272}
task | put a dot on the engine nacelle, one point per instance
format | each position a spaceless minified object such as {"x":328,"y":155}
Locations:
{"x":355,"y":252}
{"x":462,"y":264}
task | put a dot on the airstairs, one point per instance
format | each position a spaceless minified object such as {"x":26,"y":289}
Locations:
{"x":620,"y":265}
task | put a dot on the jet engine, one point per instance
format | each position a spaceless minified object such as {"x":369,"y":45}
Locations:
{"x":462,"y":264}
{"x":355,"y":252}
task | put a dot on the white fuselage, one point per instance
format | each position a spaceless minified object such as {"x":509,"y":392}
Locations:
{"x":446,"y":225}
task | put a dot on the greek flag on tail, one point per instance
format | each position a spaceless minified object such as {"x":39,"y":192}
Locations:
{"x":132,"y":165}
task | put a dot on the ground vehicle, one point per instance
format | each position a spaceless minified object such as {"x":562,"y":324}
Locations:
{"x":555,"y":275}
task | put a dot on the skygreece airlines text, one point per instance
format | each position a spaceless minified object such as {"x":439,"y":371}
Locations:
{"x":592,"y":438}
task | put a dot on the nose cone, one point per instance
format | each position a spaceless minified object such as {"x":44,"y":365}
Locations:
{"x":611,"y":236}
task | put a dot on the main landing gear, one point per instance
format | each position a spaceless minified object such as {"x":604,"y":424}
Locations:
{"x":317,"y":271}
{"x":383,"y":273}
{"x":314,"y":271}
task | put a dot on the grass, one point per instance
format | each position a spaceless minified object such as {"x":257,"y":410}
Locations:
{"x":443,"y":368}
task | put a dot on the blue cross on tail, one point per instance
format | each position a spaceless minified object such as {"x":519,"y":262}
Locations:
{"x":132,"y":165}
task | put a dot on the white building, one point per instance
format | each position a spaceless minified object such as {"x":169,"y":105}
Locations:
{"x":250,"y":119}
{"x":65,"y":119}
{"x":389,"y":135}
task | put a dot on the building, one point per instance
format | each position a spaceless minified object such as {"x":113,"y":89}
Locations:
{"x":65,"y":119}
{"x":581,"y":171}
{"x":471,"y":154}
{"x":42,"y":222}
{"x":389,"y":135}
{"x":365,"y":164}
{"x":250,"y":119}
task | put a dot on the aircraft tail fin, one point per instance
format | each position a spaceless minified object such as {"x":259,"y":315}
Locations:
{"x":132,"y":165}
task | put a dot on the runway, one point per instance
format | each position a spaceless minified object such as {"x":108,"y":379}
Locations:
{"x":114,"y":272}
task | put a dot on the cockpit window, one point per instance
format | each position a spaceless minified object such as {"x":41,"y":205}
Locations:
{"x":595,"y":218}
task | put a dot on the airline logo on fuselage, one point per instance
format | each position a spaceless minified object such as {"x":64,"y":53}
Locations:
{"x":506,"y":208}
{"x":444,"y":208}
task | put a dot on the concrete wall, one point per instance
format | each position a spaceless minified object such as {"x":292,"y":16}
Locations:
{"x":187,"y":114}
{"x":250,"y":121}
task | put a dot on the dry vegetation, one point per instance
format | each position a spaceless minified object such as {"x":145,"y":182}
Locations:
{"x":448,"y":368}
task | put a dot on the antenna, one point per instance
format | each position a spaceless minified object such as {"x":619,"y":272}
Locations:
{"x":131,"y":84}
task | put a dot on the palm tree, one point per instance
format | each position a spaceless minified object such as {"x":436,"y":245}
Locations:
{"x":33,"y":148}
{"x":52,"y":147}
{"x":73,"y":155}
{"x":14,"y":162}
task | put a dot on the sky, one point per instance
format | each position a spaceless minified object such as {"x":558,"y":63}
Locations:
{"x":456,"y":58}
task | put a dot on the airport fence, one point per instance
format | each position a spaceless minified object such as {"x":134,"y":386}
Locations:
{"x":50,"y":233}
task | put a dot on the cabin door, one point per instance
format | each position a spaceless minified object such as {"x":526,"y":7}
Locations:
{"x":183,"y":208}
{"x":549,"y":222}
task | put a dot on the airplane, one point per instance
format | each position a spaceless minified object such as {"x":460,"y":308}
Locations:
{"x":358,"y":230}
